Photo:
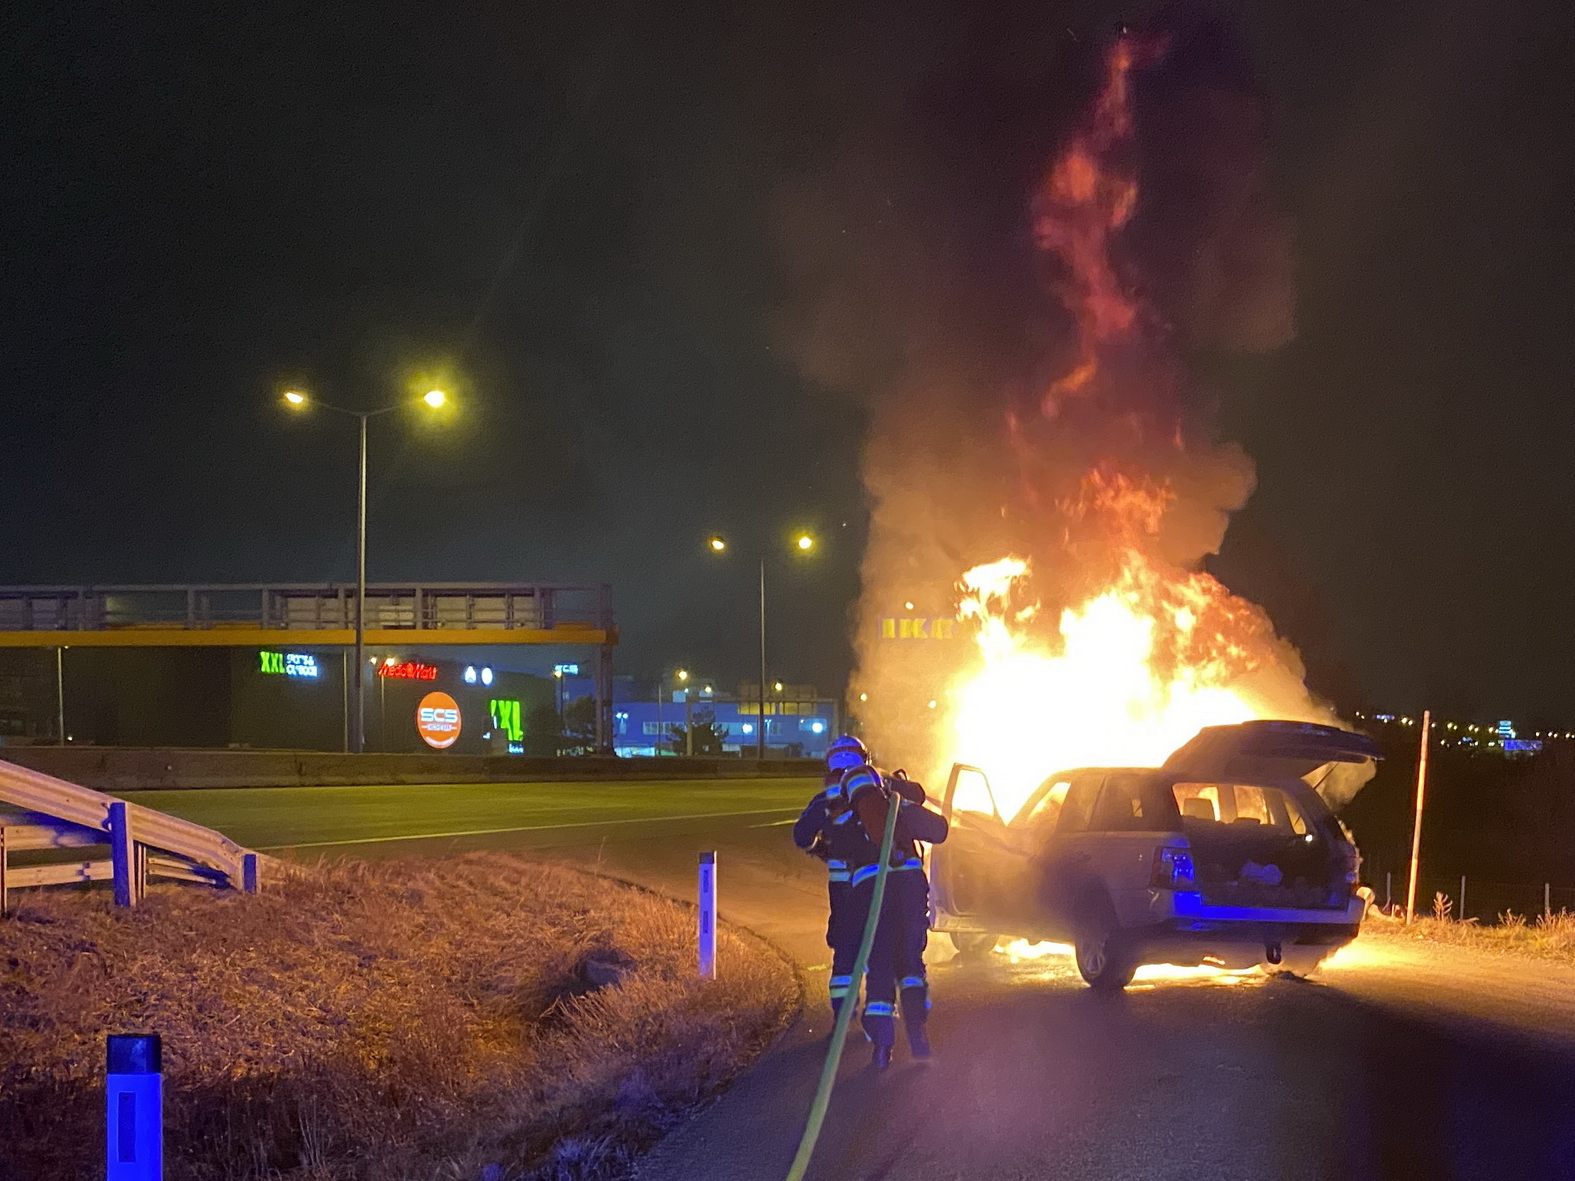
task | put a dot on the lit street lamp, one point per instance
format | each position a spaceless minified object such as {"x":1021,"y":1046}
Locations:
{"x":804,"y":544}
{"x":299,"y":401}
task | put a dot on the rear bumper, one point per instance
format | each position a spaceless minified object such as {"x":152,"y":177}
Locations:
{"x":1180,"y":928}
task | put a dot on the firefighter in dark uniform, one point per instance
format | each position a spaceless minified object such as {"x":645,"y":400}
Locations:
{"x":829,"y":830}
{"x":896,"y":961}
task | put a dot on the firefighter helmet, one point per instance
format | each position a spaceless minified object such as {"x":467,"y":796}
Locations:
{"x":846,"y":753}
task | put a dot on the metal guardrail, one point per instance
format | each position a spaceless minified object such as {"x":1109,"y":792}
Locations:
{"x":40,"y":812}
{"x":307,"y":606}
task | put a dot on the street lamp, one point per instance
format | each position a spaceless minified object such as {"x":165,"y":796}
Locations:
{"x":804,"y":544}
{"x":299,"y":400}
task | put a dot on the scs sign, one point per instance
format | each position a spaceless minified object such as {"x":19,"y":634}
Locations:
{"x":437,"y":720}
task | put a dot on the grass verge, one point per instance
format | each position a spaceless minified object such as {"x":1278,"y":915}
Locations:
{"x":412,"y":1019}
{"x":1544,"y":936}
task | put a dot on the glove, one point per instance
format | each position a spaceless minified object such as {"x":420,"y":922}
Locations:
{"x":908,"y":789}
{"x":820,"y":847}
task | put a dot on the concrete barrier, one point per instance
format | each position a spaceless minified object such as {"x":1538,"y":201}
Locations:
{"x":123,"y":769}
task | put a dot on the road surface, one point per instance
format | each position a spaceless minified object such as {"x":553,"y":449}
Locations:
{"x":1403,"y":1061}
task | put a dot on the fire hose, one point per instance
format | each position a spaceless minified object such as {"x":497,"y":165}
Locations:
{"x":839,"y":1031}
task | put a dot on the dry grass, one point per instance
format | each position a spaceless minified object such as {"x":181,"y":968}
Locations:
{"x":1547,"y":936}
{"x":405,"y":1020}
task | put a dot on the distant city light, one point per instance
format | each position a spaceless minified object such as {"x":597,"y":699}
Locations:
{"x":817,"y":727}
{"x":436,"y":399}
{"x":748,"y":727}
{"x":470,"y":674}
{"x":486,"y":676}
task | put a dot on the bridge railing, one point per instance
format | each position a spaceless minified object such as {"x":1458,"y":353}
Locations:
{"x":323,"y":606}
{"x":39,"y":812}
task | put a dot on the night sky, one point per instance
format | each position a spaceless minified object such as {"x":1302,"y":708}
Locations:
{"x":570,"y":216}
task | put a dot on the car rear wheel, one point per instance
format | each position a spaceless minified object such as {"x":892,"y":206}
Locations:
{"x":1103,"y":958}
{"x":973,"y":945}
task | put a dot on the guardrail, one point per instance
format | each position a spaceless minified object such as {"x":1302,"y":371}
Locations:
{"x":39,"y":812}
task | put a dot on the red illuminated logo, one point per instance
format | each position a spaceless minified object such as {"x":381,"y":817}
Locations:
{"x":437,"y":720}
{"x":408,"y":670}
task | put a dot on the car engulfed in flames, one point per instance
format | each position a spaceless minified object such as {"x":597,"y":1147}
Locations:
{"x":1224,"y":856}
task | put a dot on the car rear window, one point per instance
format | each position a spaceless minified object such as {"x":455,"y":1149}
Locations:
{"x":1239,"y":804}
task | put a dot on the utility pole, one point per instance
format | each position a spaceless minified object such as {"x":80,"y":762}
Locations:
{"x":1416,"y":832}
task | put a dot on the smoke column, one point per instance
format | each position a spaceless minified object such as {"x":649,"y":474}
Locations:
{"x":1068,"y":430}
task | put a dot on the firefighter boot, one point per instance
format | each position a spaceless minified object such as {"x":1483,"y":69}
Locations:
{"x":918,"y":1042}
{"x":882,"y":1057}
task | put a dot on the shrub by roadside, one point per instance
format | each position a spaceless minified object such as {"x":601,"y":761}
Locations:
{"x":1545,"y":936}
{"x":479,"y":1017}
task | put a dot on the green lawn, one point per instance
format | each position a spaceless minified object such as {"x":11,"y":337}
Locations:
{"x":274,"y":817}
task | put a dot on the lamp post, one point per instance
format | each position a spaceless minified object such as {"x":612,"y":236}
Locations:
{"x":299,"y":401}
{"x":804,"y":545}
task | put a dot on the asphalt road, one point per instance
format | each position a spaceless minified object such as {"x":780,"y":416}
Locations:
{"x":1401,"y":1061}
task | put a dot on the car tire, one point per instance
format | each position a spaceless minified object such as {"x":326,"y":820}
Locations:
{"x":1104,"y":959}
{"x":973,"y":945}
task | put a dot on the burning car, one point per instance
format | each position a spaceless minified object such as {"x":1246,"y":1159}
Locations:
{"x":1224,"y":855}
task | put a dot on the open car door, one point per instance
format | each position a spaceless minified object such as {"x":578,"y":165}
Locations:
{"x":1255,"y":751}
{"x":981,"y":872}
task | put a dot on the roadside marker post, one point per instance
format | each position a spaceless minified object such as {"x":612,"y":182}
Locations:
{"x":134,"y":1098}
{"x":708,"y":916}
{"x":1416,"y":833}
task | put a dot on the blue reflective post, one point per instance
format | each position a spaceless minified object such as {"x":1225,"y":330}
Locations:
{"x":708,"y":916}
{"x":134,"y":1093}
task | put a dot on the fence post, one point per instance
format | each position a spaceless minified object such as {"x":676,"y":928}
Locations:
{"x":250,"y":883}
{"x":708,"y":916}
{"x":5,"y":893}
{"x":122,"y":856}
{"x":1389,"y":888}
{"x":1547,"y":900}
{"x":134,"y":1099}
{"x":1462,"y":897}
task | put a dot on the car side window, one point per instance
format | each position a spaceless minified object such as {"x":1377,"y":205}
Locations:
{"x":1123,"y":806}
{"x":1046,"y":810}
{"x":1079,"y":804}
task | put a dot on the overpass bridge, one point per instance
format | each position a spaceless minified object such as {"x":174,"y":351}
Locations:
{"x":318,"y":615}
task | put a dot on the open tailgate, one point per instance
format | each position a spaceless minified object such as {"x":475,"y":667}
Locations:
{"x":1269,"y":749}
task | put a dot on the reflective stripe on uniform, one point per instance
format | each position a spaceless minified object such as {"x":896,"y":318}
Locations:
{"x":865,"y":872}
{"x":838,"y":877}
{"x":840,"y":986}
{"x":833,"y":863}
{"x":913,"y":982}
{"x":879,"y":1009}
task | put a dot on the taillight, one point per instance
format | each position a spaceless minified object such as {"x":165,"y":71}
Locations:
{"x":1172,"y":869}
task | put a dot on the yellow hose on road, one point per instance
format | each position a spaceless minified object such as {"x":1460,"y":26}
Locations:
{"x":839,"y":1032}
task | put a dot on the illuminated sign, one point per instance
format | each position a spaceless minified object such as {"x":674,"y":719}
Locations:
{"x":1506,"y":729}
{"x":565,"y":670}
{"x":438,"y":721}
{"x":408,"y":670}
{"x":506,"y":717}
{"x":471,"y":677}
{"x":893,"y":628}
{"x":289,"y":664}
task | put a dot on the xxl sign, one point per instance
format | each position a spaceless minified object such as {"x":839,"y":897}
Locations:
{"x":289,"y":664}
{"x":438,"y":721}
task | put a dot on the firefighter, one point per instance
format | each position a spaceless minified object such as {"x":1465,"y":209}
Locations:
{"x":828,"y":829}
{"x":897,"y":957}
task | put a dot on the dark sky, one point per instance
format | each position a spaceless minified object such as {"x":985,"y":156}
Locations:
{"x":570,"y":216}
